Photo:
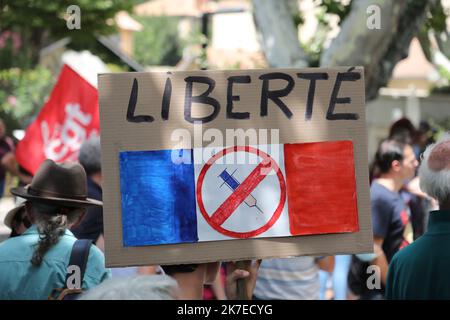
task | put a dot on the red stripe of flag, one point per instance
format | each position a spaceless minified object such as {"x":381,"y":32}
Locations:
{"x":321,"y":187}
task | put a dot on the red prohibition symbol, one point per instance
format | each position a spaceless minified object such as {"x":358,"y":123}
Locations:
{"x":226,"y":209}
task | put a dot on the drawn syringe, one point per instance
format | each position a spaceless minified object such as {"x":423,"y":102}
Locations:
{"x":232,"y":183}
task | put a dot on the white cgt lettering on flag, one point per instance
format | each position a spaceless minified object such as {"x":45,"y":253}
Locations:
{"x":63,"y":142}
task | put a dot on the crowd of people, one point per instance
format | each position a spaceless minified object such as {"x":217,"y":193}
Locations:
{"x":410,"y":202}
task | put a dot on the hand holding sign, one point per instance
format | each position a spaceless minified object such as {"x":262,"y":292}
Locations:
{"x":160,"y":211}
{"x":241,"y":279}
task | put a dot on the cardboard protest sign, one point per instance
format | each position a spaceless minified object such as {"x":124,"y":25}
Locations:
{"x":197,"y":164}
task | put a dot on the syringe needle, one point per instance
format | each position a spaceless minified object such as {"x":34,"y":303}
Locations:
{"x":259,"y":209}
{"x":233,"y":184}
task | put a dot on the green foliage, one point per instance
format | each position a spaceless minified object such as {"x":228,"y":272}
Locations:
{"x":437,"y":18}
{"x":199,"y":40}
{"x":115,"y":68}
{"x":337,"y":8}
{"x":49,"y":15}
{"x":435,"y":23}
{"x":440,"y":126}
{"x":10,"y":50}
{"x":22,"y":94}
{"x":445,"y":73}
{"x":298,"y":19}
{"x":444,"y":87}
{"x":314,"y":47}
{"x":158,"y":43}
{"x":39,"y":22}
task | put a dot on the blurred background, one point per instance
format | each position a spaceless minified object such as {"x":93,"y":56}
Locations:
{"x":406,"y":55}
{"x":404,"y":46}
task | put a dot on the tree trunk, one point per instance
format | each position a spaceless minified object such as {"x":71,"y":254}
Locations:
{"x":279,"y":34}
{"x":378,"y":50}
{"x":443,"y":41}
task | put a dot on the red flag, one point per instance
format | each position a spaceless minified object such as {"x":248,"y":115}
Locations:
{"x":69,"y":117}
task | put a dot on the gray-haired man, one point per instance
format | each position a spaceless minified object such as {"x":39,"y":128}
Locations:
{"x":421,"y":270}
{"x":91,"y":227}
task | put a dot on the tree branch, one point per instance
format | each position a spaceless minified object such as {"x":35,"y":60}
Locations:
{"x":279,"y":34}
{"x":378,"y":50}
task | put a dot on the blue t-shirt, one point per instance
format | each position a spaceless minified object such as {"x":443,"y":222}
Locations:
{"x":389,"y":218}
{"x":19,"y":280}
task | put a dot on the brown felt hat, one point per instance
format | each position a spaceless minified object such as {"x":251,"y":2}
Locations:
{"x":11,"y":214}
{"x":63,"y":184}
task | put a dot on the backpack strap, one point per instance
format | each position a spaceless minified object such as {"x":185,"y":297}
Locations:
{"x":79,"y":257}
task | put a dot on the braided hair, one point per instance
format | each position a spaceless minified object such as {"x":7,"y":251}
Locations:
{"x":52,"y":222}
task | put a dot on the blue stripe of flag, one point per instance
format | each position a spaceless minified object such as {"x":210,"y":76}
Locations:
{"x":158,"y":197}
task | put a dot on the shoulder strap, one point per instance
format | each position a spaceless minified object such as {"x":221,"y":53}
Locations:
{"x":79,"y":256}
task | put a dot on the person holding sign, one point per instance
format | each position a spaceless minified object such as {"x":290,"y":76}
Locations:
{"x":192,"y":277}
{"x":170,"y":201}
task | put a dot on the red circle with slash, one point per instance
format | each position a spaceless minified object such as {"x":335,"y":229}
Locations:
{"x":226,"y":209}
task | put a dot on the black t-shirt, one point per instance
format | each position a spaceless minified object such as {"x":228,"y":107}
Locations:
{"x":91,"y":227}
{"x":5,"y":147}
{"x":418,"y":214}
{"x":389,"y":218}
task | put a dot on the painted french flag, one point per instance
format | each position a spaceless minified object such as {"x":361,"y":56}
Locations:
{"x":238,"y":192}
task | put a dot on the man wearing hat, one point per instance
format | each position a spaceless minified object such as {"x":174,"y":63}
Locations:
{"x":16,"y":219}
{"x":35,"y":263}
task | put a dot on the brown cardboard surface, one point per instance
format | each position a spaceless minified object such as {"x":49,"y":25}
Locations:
{"x":118,"y":134}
